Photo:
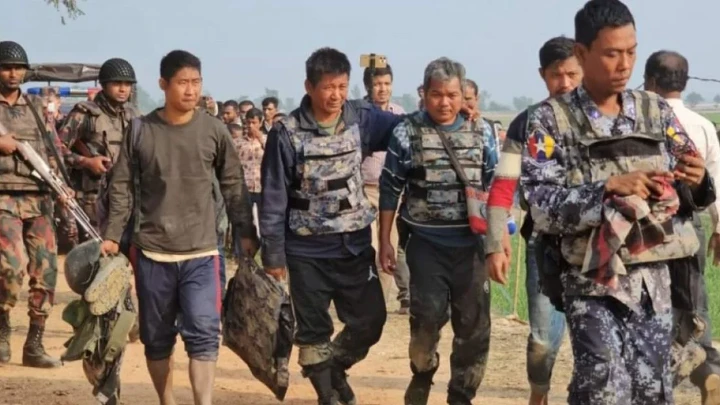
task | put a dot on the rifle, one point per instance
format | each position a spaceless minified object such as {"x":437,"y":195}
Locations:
{"x":42,"y":171}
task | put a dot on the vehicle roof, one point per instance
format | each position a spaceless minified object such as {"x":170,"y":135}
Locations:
{"x":63,"y":72}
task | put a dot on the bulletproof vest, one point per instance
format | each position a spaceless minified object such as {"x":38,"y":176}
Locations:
{"x":103,"y":134}
{"x":326,"y":195}
{"x":15,"y":174}
{"x":593,"y":157}
{"x":435,"y":192}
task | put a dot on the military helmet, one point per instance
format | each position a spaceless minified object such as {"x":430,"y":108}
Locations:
{"x":117,"y":70}
{"x":11,"y":53}
{"x":81,"y":265}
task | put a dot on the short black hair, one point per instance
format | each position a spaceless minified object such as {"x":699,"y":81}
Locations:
{"x":599,"y":14}
{"x":234,"y":127}
{"x":369,"y":74}
{"x":326,"y":61}
{"x":420,"y":87}
{"x":231,"y":103}
{"x":472,"y":85}
{"x":254,"y":113}
{"x":668,"y":69}
{"x":555,"y":50}
{"x":246,"y":102}
{"x":270,"y":100}
{"x":177,"y":60}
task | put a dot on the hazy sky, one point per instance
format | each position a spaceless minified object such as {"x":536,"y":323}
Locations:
{"x":247,"y":45}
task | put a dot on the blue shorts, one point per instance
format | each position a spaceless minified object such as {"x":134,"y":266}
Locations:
{"x":182,"y":297}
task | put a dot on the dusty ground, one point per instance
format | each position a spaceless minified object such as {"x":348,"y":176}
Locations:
{"x":380,"y":379}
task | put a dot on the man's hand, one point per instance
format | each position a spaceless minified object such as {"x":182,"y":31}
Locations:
{"x":387,"y":258}
{"x":278,"y":273}
{"x":109,"y":247}
{"x":714,"y":248}
{"x":637,"y":183}
{"x":8,"y":144}
{"x":64,"y":200}
{"x":690,"y":170}
{"x":471,"y":112}
{"x":249,"y":247}
{"x":497,"y":265}
{"x":97,"y":165}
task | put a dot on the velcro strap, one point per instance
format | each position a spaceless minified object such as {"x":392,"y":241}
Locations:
{"x":302,"y":204}
{"x":118,"y":338}
{"x":422,"y":193}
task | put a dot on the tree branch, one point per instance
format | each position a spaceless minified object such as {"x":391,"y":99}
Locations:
{"x":70,"y":7}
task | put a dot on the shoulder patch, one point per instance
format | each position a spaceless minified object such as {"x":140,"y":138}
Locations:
{"x":541,"y":146}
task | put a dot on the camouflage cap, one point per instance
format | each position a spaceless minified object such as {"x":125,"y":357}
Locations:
{"x":81,"y":265}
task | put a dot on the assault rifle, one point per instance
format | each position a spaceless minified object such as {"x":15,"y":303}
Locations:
{"x":42,"y":171}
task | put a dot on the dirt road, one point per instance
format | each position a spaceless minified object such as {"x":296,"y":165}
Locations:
{"x":379,"y":380}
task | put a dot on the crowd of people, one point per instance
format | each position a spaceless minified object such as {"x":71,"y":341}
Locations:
{"x":346,"y":198}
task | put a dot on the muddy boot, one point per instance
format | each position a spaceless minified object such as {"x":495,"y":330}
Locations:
{"x":320,"y":376}
{"x":342,"y":390}
{"x":34,"y":353}
{"x":418,"y":391}
{"x":685,"y":359}
{"x":4,"y":337}
{"x":710,"y":390}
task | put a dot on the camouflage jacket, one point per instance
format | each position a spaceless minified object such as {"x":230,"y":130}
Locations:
{"x":559,"y":209}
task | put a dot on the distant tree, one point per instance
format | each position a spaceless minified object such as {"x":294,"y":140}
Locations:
{"x":694,"y":99}
{"x":495,"y":106}
{"x":144,"y":101}
{"x":356,"y":92}
{"x":70,"y":6}
{"x":242,"y":98}
{"x":408,"y":102}
{"x":521,"y":103}
{"x":716,"y":100}
{"x":484,"y":100}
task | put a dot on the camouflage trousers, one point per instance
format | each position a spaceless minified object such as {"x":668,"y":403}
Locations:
{"x":449,"y":284}
{"x":87,"y":202}
{"x":621,"y":357}
{"x":27,"y":244}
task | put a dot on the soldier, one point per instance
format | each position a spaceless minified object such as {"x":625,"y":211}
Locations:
{"x":599,"y":161}
{"x":315,"y":219}
{"x":561,"y":73}
{"x":442,"y":253}
{"x":666,"y":73}
{"x":27,"y":237}
{"x":94,"y":130}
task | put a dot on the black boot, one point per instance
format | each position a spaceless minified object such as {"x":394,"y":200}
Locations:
{"x":4,"y":337}
{"x":418,"y":391}
{"x":343,"y":391}
{"x":34,"y":353}
{"x":320,"y":376}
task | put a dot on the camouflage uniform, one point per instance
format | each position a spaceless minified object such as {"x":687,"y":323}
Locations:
{"x":621,"y":336}
{"x":100,"y":126}
{"x":448,"y":281}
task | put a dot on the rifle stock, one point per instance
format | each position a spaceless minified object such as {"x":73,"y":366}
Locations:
{"x":84,"y":149}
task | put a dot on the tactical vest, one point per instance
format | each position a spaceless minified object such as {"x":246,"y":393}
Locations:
{"x":593,"y":157}
{"x":102,"y":133}
{"x":435,"y":192}
{"x":327,"y":194}
{"x":20,"y":120}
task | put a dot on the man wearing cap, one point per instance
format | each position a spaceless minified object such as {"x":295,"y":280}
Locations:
{"x":27,"y":237}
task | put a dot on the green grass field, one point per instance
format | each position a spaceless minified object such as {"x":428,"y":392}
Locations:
{"x":712,"y":116}
{"x":503,"y":297}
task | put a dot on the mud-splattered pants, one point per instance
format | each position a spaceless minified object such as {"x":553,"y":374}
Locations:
{"x":547,"y":325}
{"x":352,"y":284}
{"x":27,"y":243}
{"x":442,"y":277}
{"x":621,"y":357}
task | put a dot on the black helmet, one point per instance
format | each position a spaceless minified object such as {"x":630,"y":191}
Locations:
{"x":11,"y":53}
{"x":116,"y":70}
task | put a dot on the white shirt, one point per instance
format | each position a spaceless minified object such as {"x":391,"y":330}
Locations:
{"x":702,"y":132}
